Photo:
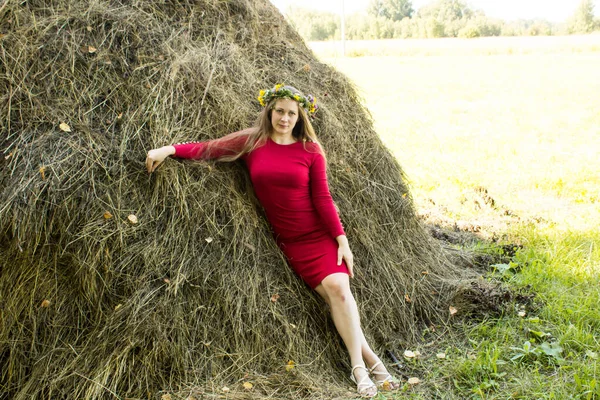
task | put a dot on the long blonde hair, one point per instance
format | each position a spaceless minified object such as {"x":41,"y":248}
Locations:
{"x":255,"y":137}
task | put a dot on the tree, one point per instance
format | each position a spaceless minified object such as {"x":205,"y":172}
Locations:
{"x":446,"y":10}
{"x":313,"y":25}
{"x":395,"y":10}
{"x":582,"y":20}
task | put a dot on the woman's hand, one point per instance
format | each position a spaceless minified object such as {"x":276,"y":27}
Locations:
{"x":345,"y":253}
{"x":156,"y":156}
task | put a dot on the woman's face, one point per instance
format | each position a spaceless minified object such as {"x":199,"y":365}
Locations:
{"x":284,"y":116}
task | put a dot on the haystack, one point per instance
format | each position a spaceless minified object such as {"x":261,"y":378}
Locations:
{"x":114,"y":283}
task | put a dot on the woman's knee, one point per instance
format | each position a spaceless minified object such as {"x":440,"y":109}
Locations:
{"x":323,"y":293}
{"x":337,"y":287}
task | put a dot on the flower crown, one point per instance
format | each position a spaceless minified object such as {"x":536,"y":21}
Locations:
{"x":309,"y":103}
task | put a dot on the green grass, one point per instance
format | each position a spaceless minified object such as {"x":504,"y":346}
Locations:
{"x":525,"y":126}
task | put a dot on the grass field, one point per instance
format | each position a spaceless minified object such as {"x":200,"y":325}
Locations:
{"x":519,"y":117}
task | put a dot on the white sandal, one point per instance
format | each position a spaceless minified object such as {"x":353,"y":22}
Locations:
{"x":389,"y":382}
{"x":363,"y":388}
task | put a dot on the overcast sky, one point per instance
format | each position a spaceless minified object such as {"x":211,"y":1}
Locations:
{"x":552,"y":10}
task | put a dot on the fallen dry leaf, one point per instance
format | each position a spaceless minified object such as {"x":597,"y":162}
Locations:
{"x":453,"y":310}
{"x":107,"y":215}
{"x":306,"y":68}
{"x":45,"y":303}
{"x":133,"y":219}
{"x":290,"y":366}
{"x":522,"y":314}
{"x":441,"y":355}
{"x":275,"y":297}
{"x":407,"y":298}
{"x":89,"y":28}
{"x":43,"y":172}
{"x":118,"y":306}
{"x":425,"y":273}
{"x":247,"y":385}
{"x":225,"y":389}
{"x":167,"y":280}
{"x":293,"y":326}
{"x":413,"y":381}
{"x":92,"y":49}
{"x":409,"y":354}
{"x":208,"y":239}
{"x":64,"y":127}
{"x":166,"y":397}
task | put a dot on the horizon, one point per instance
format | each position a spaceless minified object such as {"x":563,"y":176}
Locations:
{"x":509,"y":10}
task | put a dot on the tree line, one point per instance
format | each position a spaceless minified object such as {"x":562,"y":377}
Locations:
{"x":397,"y":19}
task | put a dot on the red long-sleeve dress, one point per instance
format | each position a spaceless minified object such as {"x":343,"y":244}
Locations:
{"x":290,"y":181}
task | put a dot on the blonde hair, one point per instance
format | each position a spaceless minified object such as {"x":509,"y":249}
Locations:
{"x":257,"y":136}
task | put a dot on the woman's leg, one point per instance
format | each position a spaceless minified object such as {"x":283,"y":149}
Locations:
{"x":335,"y":289}
{"x":338,"y":285}
{"x":368,"y":355}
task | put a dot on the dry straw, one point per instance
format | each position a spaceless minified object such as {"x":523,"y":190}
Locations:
{"x":180,"y":299}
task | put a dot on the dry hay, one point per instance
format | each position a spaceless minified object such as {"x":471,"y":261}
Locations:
{"x":95,"y":306}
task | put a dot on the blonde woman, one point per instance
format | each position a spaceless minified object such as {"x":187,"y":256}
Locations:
{"x":287,"y":168}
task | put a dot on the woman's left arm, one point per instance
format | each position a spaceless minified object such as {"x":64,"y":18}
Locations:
{"x":345,"y":253}
{"x":321,"y":198}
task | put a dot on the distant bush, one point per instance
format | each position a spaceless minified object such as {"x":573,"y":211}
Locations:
{"x":469,"y":31}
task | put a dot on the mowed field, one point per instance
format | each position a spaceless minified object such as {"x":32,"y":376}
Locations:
{"x":520,"y":119}
{"x":517,"y":116}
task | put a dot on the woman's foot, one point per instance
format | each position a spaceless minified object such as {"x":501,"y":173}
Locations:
{"x":383,"y":379}
{"x":364,"y":385}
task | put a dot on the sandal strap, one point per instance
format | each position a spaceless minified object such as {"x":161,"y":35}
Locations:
{"x":361,"y":386}
{"x":388,"y":377}
{"x":372,"y":369}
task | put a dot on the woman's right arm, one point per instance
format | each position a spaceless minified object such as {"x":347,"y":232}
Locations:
{"x":156,"y":156}
{"x":212,"y":149}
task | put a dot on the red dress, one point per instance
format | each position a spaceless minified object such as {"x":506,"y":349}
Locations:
{"x":290,"y":181}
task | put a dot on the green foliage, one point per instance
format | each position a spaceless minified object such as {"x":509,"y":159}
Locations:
{"x":446,"y":10}
{"x":531,"y":353}
{"x":395,"y":10}
{"x":395,"y":19}
{"x":469,"y":31}
{"x":582,"y":20}
{"x":313,"y":25}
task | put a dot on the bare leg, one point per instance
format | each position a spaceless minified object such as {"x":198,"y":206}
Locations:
{"x":368,"y":356}
{"x":335,"y":289}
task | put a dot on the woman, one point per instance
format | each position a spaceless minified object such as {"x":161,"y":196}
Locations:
{"x":288,"y":172}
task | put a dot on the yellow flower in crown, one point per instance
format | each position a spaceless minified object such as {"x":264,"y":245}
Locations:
{"x":296,"y":97}
{"x":278,"y":86}
{"x":261,"y":98}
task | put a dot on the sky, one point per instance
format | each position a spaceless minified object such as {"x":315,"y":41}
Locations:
{"x":551,"y":10}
